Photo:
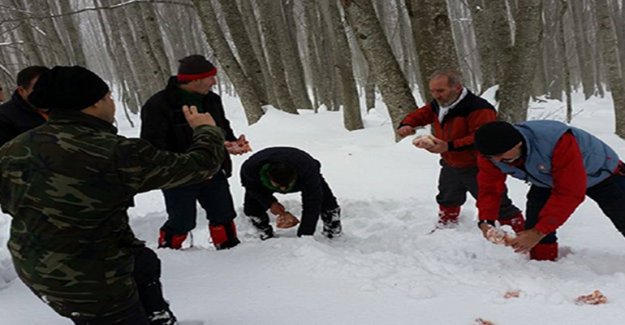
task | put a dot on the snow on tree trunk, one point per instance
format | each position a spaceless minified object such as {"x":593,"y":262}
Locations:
{"x":609,"y":52}
{"x":269,"y":14}
{"x":349,"y":93}
{"x":434,"y":41}
{"x":244,"y":49}
{"x":228,"y":62}
{"x":377,"y":51}
{"x":521,"y":59}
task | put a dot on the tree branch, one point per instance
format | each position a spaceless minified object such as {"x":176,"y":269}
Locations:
{"x":111,"y":7}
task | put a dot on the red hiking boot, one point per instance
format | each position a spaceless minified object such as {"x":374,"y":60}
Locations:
{"x":544,"y":252}
{"x":224,"y":235}
{"x":517,"y":222}
{"x":167,"y":239}
{"x":448,"y":215}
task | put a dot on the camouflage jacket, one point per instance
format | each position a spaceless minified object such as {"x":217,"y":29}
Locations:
{"x":67,"y":184}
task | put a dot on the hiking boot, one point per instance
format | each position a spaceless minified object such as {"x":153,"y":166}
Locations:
{"x":224,"y":236}
{"x":167,"y":239}
{"x":262,"y":225}
{"x":544,"y":252}
{"x":162,"y":317}
{"x":332,"y":223}
{"x":448,"y":215}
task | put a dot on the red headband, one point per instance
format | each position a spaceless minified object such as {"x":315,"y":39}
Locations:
{"x":191,"y":77}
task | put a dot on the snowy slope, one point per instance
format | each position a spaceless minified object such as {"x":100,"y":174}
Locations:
{"x":387,"y":269}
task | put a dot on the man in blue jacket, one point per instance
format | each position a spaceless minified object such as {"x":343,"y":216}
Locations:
{"x":288,"y":170}
{"x":562,"y":163}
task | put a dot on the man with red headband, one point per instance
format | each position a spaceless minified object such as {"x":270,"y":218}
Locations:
{"x":164,"y":126}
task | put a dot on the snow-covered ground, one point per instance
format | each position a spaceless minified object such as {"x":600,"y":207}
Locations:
{"x":387,"y":268}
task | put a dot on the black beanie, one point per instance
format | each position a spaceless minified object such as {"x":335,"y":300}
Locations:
{"x":495,"y":138}
{"x":69,"y":88}
{"x":194,"y":67}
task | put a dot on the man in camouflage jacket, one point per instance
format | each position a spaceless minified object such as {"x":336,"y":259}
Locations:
{"x":68,"y":185}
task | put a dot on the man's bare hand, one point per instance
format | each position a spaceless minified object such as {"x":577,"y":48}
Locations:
{"x":525,"y":240}
{"x":277,"y":208}
{"x":405,"y":131}
{"x":439,"y":146}
{"x":196,"y":119}
{"x":238,"y":147}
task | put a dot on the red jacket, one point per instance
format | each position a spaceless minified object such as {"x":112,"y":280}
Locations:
{"x":458,"y":127}
{"x":568,"y":192}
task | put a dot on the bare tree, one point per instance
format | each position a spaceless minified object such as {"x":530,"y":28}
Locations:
{"x":393,"y":85}
{"x":521,"y":58}
{"x":291,"y":56}
{"x":433,"y":38}
{"x":75,"y":39}
{"x":566,"y":71}
{"x":247,"y":57}
{"x":351,"y":105}
{"x":270,"y":15}
{"x":609,"y":52}
{"x":212,"y":30}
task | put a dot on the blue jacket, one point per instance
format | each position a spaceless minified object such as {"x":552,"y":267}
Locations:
{"x":541,"y":137}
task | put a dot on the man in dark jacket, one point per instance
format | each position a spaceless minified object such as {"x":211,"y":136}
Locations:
{"x":288,"y":170}
{"x":164,"y":126}
{"x":455,"y":114}
{"x":18,"y":115}
{"x":563,"y":164}
{"x":2,"y":96}
{"x":68,"y":185}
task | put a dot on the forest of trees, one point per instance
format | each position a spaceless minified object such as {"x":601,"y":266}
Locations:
{"x":301,"y":54}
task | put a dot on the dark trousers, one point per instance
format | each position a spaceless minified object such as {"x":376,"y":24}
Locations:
{"x":609,"y":195}
{"x":214,"y":196}
{"x":146,"y":274}
{"x":253,"y":208}
{"x":454,"y":183}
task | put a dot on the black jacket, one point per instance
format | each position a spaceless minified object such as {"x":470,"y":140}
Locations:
{"x":16,"y":117}
{"x":309,"y":182}
{"x":163,"y":124}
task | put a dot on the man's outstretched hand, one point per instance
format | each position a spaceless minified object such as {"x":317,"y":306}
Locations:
{"x":196,"y":119}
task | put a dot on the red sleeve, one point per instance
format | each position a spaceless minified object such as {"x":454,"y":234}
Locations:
{"x":420,"y":117}
{"x":475,"y":120}
{"x":491,"y":182}
{"x":569,"y":185}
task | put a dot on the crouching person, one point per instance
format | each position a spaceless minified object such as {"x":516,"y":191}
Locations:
{"x":563,"y":165}
{"x":288,"y":170}
{"x":68,"y":184}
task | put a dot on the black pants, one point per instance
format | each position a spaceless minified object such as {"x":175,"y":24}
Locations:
{"x":454,"y":183}
{"x":609,"y":195}
{"x":253,"y":208}
{"x":214,"y":196}
{"x":147,"y":273}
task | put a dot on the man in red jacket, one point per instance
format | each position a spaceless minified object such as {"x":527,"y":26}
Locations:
{"x":563,"y":164}
{"x":455,"y":114}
